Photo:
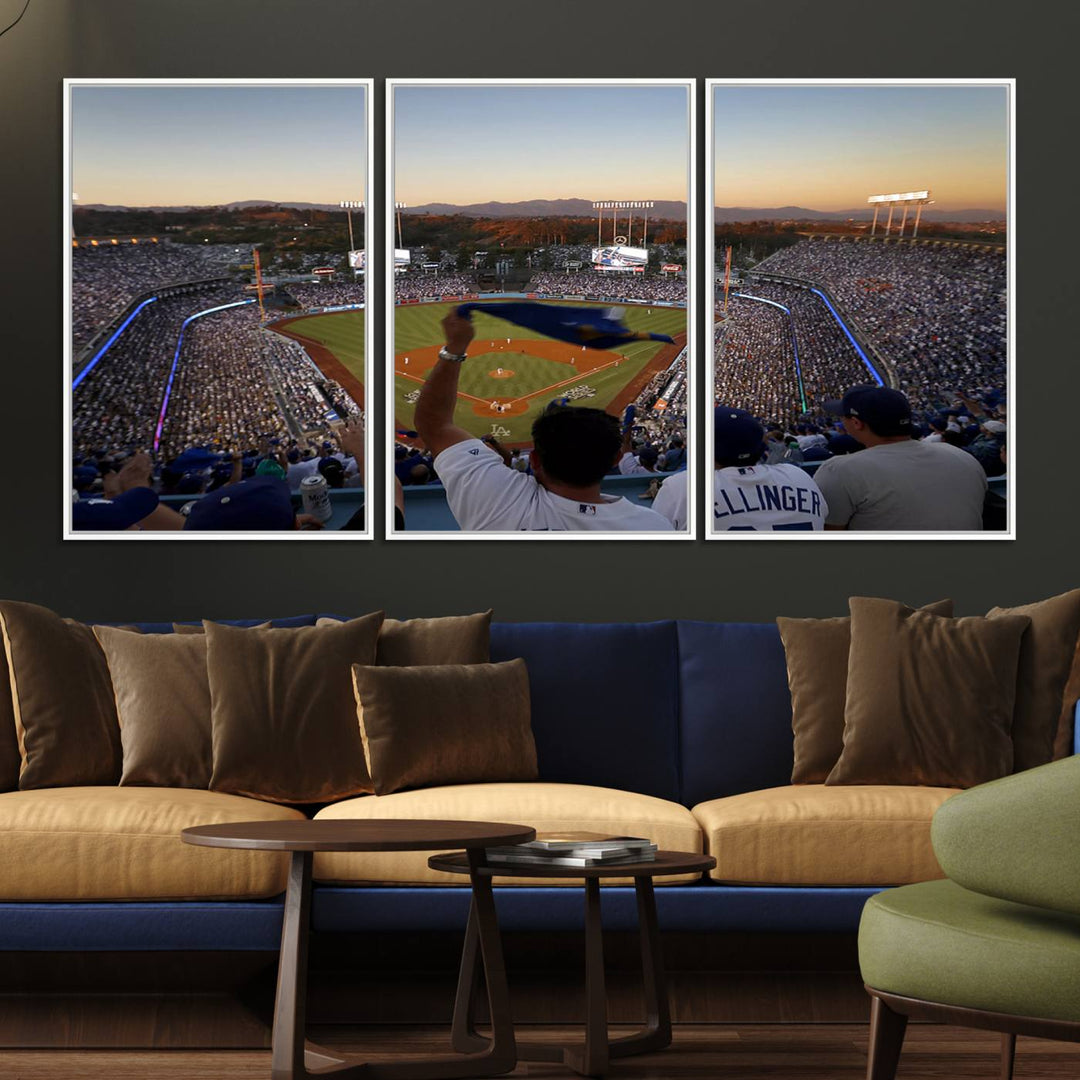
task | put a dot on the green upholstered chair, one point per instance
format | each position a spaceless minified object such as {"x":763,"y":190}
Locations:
{"x":997,"y":944}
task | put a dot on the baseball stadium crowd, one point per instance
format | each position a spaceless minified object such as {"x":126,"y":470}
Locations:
{"x":243,"y":403}
{"x":415,"y":286}
{"x":937,"y":312}
{"x":105,"y":279}
{"x":600,"y":284}
{"x":311,"y":294}
{"x":755,"y":348}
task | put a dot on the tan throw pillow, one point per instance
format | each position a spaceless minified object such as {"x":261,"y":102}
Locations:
{"x":9,"y":739}
{"x":453,"y":639}
{"x":163,"y":703}
{"x":193,"y":628}
{"x":816,"y":651}
{"x":447,"y":724}
{"x":65,"y":717}
{"x":282,"y":710}
{"x":929,"y":700}
{"x":1046,"y":657}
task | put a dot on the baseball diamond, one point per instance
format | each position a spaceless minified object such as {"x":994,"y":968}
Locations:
{"x":506,"y":383}
{"x":335,"y":342}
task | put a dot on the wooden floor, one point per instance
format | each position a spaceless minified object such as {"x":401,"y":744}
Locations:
{"x":699,"y":1052}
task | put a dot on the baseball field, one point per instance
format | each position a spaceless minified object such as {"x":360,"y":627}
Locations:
{"x":335,"y":341}
{"x":512,"y":372}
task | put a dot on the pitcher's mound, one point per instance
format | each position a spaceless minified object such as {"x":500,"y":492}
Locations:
{"x":501,"y":373}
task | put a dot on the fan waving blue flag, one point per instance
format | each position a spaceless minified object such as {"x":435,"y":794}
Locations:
{"x":589,"y":327}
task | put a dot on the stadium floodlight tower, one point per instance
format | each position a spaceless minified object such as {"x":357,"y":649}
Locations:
{"x":907,"y":199}
{"x":615,"y":206}
{"x":398,"y":207}
{"x":349,"y":205}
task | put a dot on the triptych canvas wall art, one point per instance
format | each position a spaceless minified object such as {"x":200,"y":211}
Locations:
{"x":531,"y":346}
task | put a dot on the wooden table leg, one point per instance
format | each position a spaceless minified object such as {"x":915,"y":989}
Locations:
{"x":290,"y":1012}
{"x":464,"y":1037}
{"x":592,"y":1059}
{"x":656,"y":1034}
{"x":292,"y":1058}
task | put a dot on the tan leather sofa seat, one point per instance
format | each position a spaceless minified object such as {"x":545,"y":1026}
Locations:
{"x":123,"y":843}
{"x":813,"y":834}
{"x":546,"y":807}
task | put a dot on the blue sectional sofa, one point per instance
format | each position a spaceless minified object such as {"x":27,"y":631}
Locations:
{"x":687,"y":724}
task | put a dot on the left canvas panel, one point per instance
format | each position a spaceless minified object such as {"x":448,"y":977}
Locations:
{"x":216,"y":344}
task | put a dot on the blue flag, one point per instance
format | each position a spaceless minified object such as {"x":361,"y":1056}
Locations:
{"x":589,"y":327}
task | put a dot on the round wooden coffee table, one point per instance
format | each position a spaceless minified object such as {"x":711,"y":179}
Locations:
{"x":590,"y":1059}
{"x":291,"y":1057}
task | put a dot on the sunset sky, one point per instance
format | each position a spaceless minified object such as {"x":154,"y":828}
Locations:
{"x":209,"y":145}
{"x":467,"y":144}
{"x":827,"y":148}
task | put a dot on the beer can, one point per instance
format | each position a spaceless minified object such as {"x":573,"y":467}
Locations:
{"x":315,"y":497}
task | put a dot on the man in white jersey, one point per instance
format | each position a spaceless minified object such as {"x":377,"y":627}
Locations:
{"x":898,"y":483}
{"x":573,"y":449}
{"x":747,"y":496}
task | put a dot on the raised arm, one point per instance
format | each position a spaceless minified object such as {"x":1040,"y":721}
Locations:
{"x":434,"y":416}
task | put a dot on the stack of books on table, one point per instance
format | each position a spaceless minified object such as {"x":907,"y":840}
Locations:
{"x":575,"y":849}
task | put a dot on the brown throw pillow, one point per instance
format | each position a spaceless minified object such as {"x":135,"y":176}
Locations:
{"x":929,"y":699}
{"x":1046,"y":656}
{"x":283,"y":713}
{"x":197,"y":628}
{"x":9,"y":739}
{"x":62,"y":697}
{"x":163,"y":703}
{"x":447,"y":724}
{"x":454,"y":639}
{"x":816,"y":651}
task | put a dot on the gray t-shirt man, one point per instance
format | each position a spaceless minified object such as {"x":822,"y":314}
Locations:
{"x":904,"y":486}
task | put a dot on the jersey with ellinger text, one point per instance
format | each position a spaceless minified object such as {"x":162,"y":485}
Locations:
{"x":767,"y":498}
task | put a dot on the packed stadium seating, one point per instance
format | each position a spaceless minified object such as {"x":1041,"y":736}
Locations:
{"x":937,"y":311}
{"x":168,"y":383}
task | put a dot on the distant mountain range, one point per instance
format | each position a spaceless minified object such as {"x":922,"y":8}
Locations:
{"x":663,"y":208}
{"x":738,"y":214}
{"x":530,"y":208}
{"x":245,"y":204}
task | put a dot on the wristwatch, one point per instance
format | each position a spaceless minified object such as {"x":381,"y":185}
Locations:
{"x":446,"y":354}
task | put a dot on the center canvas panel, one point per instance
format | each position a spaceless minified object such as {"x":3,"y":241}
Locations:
{"x":539,"y":254}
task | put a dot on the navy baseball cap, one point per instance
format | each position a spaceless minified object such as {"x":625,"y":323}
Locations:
{"x":261,"y":503}
{"x":121,"y":512}
{"x":737,"y":435}
{"x":884,"y":410}
{"x":333,"y":470}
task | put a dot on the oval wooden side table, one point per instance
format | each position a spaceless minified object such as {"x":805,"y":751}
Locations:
{"x":593,"y":1057}
{"x":292,"y":1058}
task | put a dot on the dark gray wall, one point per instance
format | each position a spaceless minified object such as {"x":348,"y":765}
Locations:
{"x":560,"y":581}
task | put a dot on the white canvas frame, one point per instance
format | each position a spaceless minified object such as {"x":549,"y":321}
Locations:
{"x":691,"y":311}
{"x":710,"y":260}
{"x":302,"y":535}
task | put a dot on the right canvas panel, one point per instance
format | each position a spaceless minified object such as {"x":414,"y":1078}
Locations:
{"x":862,"y":361}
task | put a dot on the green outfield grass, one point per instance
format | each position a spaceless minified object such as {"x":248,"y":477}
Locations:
{"x":417,"y":325}
{"x":342,"y":332}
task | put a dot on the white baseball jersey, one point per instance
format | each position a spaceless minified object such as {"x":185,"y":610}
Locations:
{"x":484,"y":496}
{"x":766,"y":498}
{"x":670,"y":501}
{"x":630,"y":466}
